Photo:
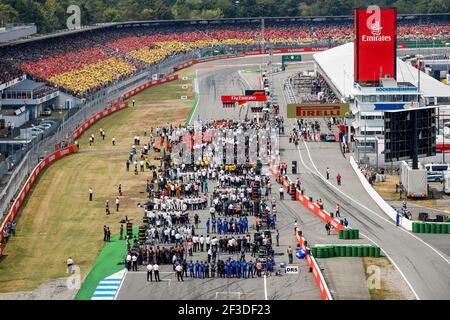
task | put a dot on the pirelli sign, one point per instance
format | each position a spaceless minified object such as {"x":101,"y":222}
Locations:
{"x":317,"y":110}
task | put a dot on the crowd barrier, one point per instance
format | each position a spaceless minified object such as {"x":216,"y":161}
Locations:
{"x":29,"y":183}
{"x":311,"y":206}
{"x":324,"y":291}
{"x":384,"y":206}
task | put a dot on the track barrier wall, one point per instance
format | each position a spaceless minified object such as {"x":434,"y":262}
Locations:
{"x":311,"y":206}
{"x":387,"y":209}
{"x":320,"y":281}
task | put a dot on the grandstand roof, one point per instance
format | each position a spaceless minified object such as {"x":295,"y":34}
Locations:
{"x":26,"y":85}
{"x":337,"y":66}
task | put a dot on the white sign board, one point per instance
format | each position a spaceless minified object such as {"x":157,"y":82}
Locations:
{"x":184,"y":78}
{"x":292,"y":269}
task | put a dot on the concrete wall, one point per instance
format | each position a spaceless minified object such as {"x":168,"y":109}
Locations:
{"x":387,"y":209}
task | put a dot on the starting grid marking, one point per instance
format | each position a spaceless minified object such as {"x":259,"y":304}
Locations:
{"x":108,"y":287}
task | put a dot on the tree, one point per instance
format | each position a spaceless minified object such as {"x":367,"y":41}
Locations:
{"x":438,"y":6}
{"x":7,"y":14}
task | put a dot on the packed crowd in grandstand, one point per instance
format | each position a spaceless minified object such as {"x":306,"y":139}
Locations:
{"x":86,"y":62}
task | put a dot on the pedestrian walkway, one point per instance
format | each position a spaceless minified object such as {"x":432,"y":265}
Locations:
{"x":108,"y":287}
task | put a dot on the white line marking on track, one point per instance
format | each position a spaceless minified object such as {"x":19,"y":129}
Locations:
{"x":323,"y":178}
{"x":265,"y":287}
{"x":121,"y":283}
{"x":395,"y":265}
{"x":371,"y":211}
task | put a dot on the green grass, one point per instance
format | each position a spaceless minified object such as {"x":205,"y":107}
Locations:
{"x":109,"y":261}
{"x":168,"y":92}
{"x":57,"y":221}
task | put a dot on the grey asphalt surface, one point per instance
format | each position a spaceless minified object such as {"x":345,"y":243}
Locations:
{"x":215,"y":79}
{"x":426,"y":271}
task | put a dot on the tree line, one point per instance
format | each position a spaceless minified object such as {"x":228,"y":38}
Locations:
{"x":50,"y":15}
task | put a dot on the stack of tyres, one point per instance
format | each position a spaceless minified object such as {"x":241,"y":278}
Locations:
{"x":356,"y":231}
{"x":346,"y":231}
{"x":421,"y":227}
{"x":348,"y":251}
{"x":331,"y":252}
{"x":354,"y":251}
{"x":145,"y":220}
{"x":438,"y":228}
{"x":325,"y":252}
{"x":141,"y":235}
{"x":342,"y":251}
{"x":341,"y":234}
{"x":337,"y":251}
{"x":415,"y":227}
{"x":433,"y":228}
{"x":372,"y":251}
{"x":351,"y":235}
{"x":365,"y":251}
{"x":319,"y":252}
{"x":130,"y":229}
{"x":314,"y":252}
{"x":377,"y":252}
{"x":427,"y":228}
{"x":360,"y":251}
{"x":444,"y":228}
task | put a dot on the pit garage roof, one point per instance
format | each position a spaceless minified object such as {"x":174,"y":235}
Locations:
{"x":336,"y":65}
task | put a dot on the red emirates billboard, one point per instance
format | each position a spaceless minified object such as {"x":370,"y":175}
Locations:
{"x":375,"y":44}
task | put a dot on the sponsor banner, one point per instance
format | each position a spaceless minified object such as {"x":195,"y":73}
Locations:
{"x":375,"y":44}
{"x":311,"y":110}
{"x":243,"y":98}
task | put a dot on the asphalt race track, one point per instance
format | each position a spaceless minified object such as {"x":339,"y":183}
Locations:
{"x":426,"y":269}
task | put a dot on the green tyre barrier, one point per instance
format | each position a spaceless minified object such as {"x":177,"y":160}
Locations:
{"x":351,"y":234}
{"x":365,"y":251}
{"x":356,"y":233}
{"x":427,"y":228}
{"x":360,"y":251}
{"x":320,"y":252}
{"x":421,"y":227}
{"x":325,"y":252}
{"x":433,"y":227}
{"x":377,"y":252}
{"x":354,"y":251}
{"x":348,"y":251}
{"x":372,"y":251}
{"x":438,"y":228}
{"x":341,"y":234}
{"x":444,"y":228}
{"x":342,"y":250}
{"x":415,"y":227}
{"x":331,"y":252}
{"x":337,"y":251}
{"x":314,"y":252}
{"x":346,"y":231}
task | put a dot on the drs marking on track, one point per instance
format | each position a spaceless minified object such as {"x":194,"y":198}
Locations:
{"x":292,"y":269}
